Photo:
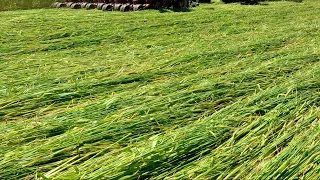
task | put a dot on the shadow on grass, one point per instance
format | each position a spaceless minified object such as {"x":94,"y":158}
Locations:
{"x":175,"y":10}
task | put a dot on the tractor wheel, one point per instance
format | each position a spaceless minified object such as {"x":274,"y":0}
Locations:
{"x":117,"y":7}
{"x":69,"y":4}
{"x":107,"y":7}
{"x":75,"y":6}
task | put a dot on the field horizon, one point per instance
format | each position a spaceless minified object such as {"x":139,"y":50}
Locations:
{"x":222,"y":91}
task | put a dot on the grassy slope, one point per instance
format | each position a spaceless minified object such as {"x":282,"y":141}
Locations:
{"x":221,"y":91}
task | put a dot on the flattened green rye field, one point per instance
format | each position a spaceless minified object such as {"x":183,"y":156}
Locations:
{"x":217,"y":92}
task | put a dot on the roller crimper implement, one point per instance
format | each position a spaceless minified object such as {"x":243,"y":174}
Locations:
{"x":126,"y":5}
